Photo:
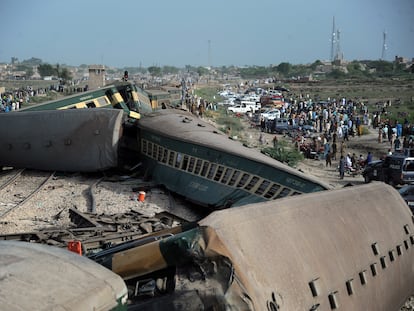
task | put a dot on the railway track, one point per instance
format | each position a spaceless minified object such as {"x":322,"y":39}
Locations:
{"x":19,"y":186}
{"x":98,"y":232}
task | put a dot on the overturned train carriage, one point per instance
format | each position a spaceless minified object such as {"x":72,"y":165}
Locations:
{"x":192,"y":158}
{"x":66,"y":140}
{"x":348,"y":249}
{"x":42,"y":277}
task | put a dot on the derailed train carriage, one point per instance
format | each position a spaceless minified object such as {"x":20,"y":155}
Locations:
{"x":121,"y":95}
{"x":42,"y":277}
{"x":347,"y":249}
{"x":62,"y":135}
{"x":192,"y":158}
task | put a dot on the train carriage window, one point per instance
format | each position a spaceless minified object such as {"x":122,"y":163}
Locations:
{"x":150,"y":149}
{"x":295,"y":193}
{"x":149,"y":152}
{"x":272,"y":191}
{"x":178,"y":159}
{"x":191,"y":165}
{"x":205,"y":168}
{"x":219,"y":173}
{"x":185,"y":162}
{"x":212,"y":171}
{"x":144,"y":146}
{"x":234,"y":178}
{"x":226,"y":175}
{"x":285,"y":192}
{"x":171,"y":158}
{"x":165,"y":156}
{"x":155,"y":151}
{"x":243,"y":180}
{"x":102,"y":101}
{"x":262,"y":188}
{"x":198,"y":166}
{"x":252,"y":183}
{"x":91,"y":105}
{"x":160,"y":153}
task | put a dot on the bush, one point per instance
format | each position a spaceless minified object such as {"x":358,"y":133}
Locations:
{"x":230,"y":125}
{"x":283,"y":154}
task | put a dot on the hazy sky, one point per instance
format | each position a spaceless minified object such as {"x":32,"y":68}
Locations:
{"x":201,"y":33}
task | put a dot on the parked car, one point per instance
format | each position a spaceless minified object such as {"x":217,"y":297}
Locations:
{"x":281,"y":126}
{"x":271,"y":114}
{"x":373,"y":171}
{"x":407,"y":193}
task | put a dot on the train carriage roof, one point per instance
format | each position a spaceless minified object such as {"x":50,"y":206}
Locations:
{"x":279,"y":249}
{"x":42,"y":277}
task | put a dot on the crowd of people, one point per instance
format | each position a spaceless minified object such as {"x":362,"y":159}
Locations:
{"x":335,"y":122}
{"x":10,"y":101}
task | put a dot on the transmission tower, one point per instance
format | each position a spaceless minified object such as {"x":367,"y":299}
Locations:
{"x":333,"y":41}
{"x":384,"y":45}
{"x":338,"y":55}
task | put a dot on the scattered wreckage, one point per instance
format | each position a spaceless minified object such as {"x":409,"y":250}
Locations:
{"x":349,"y":249}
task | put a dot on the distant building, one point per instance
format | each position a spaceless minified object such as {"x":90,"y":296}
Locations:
{"x":96,"y":76}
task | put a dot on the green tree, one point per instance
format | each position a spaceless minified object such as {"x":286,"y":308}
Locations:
{"x":46,"y":70}
{"x":254,"y":72}
{"x":336,"y":74}
{"x":27,"y":69}
{"x":315,"y":64}
{"x":32,"y":62}
{"x":284,"y":68}
{"x":154,"y":71}
{"x":202,"y":71}
{"x":355,"y":69}
{"x":381,"y":66}
{"x":65,"y":75}
{"x":170,"y":70}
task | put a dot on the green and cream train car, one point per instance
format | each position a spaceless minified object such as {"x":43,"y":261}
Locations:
{"x":123,"y":95}
{"x":191,"y":158}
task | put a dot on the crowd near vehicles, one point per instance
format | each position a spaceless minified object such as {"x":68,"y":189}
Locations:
{"x":396,"y":169}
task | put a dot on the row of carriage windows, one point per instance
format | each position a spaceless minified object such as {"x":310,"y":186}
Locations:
{"x":213,"y":171}
{"x":374,"y":270}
